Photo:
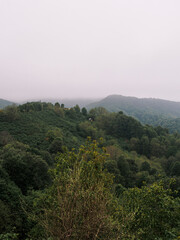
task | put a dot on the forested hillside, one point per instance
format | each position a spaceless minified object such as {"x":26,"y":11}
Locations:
{"x":66,"y":173}
{"x":146,"y":110}
{"x":71,"y":102}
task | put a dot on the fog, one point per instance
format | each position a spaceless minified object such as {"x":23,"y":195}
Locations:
{"x":89,"y":49}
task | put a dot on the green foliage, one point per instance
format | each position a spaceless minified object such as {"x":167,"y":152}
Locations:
{"x":111,"y":166}
{"x":84,"y":111}
{"x":77,"y":109}
{"x":123,"y":166}
{"x":136,"y":154}
{"x":57,"y":105}
{"x":11,"y":113}
{"x":5,"y":138}
{"x":24,"y":168}
{"x":54,"y":133}
{"x":144,"y":146}
{"x":150,"y":213}
{"x":117,"y":125}
{"x":11,"y":214}
{"x":8,"y":236}
{"x":154,"y":112}
{"x":145,"y":166}
{"x":35,"y":106}
{"x":5,"y":219}
{"x":56,"y":146}
{"x":86,"y":129}
{"x":59,"y":111}
{"x":175,"y":170}
{"x":79,"y":203}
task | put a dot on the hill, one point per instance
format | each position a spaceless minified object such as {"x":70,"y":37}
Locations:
{"x":71,"y":102}
{"x":5,"y":103}
{"x":147,"y":110}
{"x":133,"y":105}
{"x":68,"y":102}
{"x":39,"y":142}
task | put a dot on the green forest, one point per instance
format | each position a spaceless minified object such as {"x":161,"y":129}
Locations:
{"x":78,"y":174}
{"x":152,"y":111}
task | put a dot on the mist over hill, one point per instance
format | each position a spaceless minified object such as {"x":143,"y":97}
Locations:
{"x":133,"y":105}
{"x":68,"y":102}
{"x":156,"y":112}
{"x":5,"y":103}
{"x":147,"y":110}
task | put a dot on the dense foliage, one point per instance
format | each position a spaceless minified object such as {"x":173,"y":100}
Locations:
{"x":156,"y":112}
{"x":53,"y":185}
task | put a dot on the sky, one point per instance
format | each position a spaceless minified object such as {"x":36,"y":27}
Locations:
{"x":89,"y":49}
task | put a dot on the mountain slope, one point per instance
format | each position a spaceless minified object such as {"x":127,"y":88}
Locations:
{"x":156,"y":112}
{"x":133,"y":105}
{"x":5,"y":103}
{"x":68,"y":102}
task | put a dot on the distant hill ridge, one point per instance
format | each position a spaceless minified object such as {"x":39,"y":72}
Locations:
{"x":156,"y":112}
{"x":68,"y":102}
{"x":4,"y":103}
{"x":132,"y":105}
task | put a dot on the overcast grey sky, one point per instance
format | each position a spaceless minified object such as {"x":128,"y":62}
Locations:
{"x":89,"y":48}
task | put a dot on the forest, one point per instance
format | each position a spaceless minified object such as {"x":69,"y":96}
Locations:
{"x":72,"y":173}
{"x":152,"y":111}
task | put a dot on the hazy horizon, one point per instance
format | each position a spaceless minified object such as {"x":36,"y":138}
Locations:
{"x":78,"y":99}
{"x":89,"y":49}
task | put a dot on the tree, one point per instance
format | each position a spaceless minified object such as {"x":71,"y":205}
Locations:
{"x":84,"y":111}
{"x":135,"y":144}
{"x":57,"y":105}
{"x":175,"y":170}
{"x":123,"y":166}
{"x":5,"y":138}
{"x":150,"y":213}
{"x":25,"y":169}
{"x":53,"y":134}
{"x":11,"y":214}
{"x":79,"y":204}
{"x":111,"y":166}
{"x":156,"y":148}
{"x":77,"y":109}
{"x":59,"y":111}
{"x":11,"y":113}
{"x":86,"y":129}
{"x":145,"y":166}
{"x":56,"y":145}
{"x":145,"y":146}
{"x":94,"y":112}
